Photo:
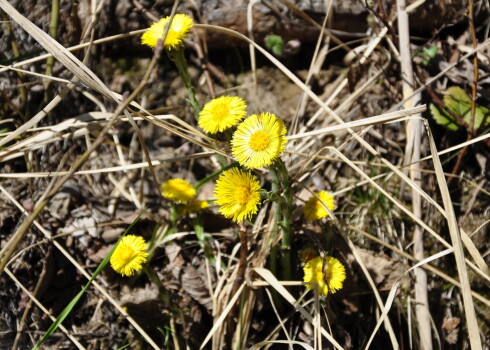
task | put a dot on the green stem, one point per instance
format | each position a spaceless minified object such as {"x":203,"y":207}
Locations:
{"x":277,"y":218}
{"x":177,"y":56}
{"x":287,"y":210}
{"x":203,"y":239}
{"x":153,"y":277}
{"x":285,"y":214}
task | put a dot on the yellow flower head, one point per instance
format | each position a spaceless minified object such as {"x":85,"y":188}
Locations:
{"x":193,"y":207}
{"x":238,"y":195}
{"x":329,"y":274}
{"x":129,"y":255}
{"x":259,"y":140}
{"x":178,"y":190}
{"x":315,"y":210}
{"x":222,"y":113}
{"x":178,"y":31}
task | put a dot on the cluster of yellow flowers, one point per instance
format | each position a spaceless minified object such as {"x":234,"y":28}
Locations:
{"x":182,"y":192}
{"x":258,"y":141}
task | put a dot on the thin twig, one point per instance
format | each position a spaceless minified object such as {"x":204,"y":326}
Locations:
{"x":412,"y":155}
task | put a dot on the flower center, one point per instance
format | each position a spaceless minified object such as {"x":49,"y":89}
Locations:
{"x":220,"y":112}
{"x":127,"y":254}
{"x":180,"y":187}
{"x":259,"y":141}
{"x":319,"y":272}
{"x":242,"y":194}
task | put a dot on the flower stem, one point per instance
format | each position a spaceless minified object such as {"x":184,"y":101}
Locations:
{"x":177,"y":56}
{"x":287,"y":209}
{"x":203,"y":239}
{"x":153,"y":277}
{"x":283,"y":212}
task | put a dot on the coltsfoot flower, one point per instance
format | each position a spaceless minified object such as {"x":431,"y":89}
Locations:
{"x":329,"y":274}
{"x":180,"y":26}
{"x":259,"y":140}
{"x":178,"y":190}
{"x":222,"y":113}
{"x":193,"y":206}
{"x":315,"y":210}
{"x":237,"y":193}
{"x":129,"y":255}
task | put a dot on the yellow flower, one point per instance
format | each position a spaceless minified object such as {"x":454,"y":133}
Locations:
{"x":259,"y":140}
{"x":178,"y":31}
{"x":193,"y":207}
{"x":315,"y":210}
{"x":329,"y":274}
{"x":129,"y":255}
{"x":178,"y":190}
{"x":222,"y":113}
{"x":238,"y":195}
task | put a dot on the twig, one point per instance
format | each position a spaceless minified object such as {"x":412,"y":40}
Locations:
{"x":412,"y":154}
{"x":475,"y":66}
{"x":53,"y":31}
{"x":145,"y":12}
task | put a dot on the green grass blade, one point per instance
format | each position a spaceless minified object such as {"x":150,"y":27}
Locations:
{"x":66,"y":311}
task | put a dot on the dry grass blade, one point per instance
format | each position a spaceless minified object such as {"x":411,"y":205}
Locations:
{"x":459,"y":146}
{"x":286,"y":342}
{"x":46,"y":311}
{"x":69,"y":60}
{"x":74,"y":48}
{"x":469,"y":308}
{"x":392,"y":294}
{"x":44,"y":76}
{"x":219,"y":322}
{"x":372,"y":284}
{"x":274,"y":283}
{"x":427,"y":266}
{"x":109,"y":169}
{"x":378,"y":119}
{"x":412,"y":157}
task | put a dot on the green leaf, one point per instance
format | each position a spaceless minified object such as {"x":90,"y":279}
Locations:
{"x":482,"y":117}
{"x":428,"y":53}
{"x":458,"y":101}
{"x":442,"y":118}
{"x":274,"y":43}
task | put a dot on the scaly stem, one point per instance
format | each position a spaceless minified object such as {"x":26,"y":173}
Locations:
{"x":177,"y":56}
{"x":282,"y":189}
{"x":287,"y":205}
{"x":277,"y":219}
